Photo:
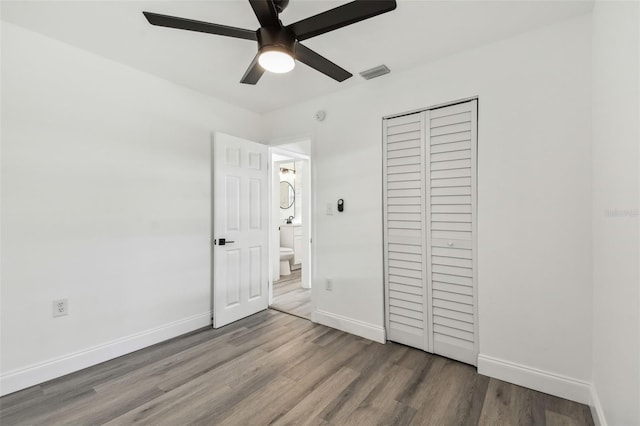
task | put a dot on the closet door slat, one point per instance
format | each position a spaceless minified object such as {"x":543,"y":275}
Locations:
{"x":411,"y":139}
{"x":452,"y":173}
{"x":451,"y":137}
{"x":451,"y":146}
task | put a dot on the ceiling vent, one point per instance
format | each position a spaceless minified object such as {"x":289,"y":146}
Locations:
{"x":375,"y":72}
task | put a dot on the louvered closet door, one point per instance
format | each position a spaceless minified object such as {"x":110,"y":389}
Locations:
{"x":404,"y":230}
{"x":451,"y":188}
{"x":429,"y":230}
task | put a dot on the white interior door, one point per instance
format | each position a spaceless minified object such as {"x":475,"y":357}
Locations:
{"x":240,"y":229}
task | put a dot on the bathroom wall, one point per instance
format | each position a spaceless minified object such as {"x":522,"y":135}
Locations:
{"x":298,"y":191}
{"x":295,"y":179}
{"x":291,"y":178}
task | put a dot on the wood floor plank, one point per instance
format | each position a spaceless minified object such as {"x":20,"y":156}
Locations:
{"x":273,"y":368}
{"x":314,"y":376}
{"x":43,"y":407}
{"x":580,"y":414}
{"x":380,"y":405}
{"x":505,"y":402}
{"x":175,"y":407}
{"x":251,"y":408}
{"x":316,"y":400}
{"x":289,"y":296}
{"x":451,"y":403}
{"x":374,"y":366}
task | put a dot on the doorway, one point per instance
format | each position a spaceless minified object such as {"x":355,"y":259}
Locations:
{"x":290,"y":284}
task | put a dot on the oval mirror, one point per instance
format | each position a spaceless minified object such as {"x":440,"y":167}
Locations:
{"x":287,"y":195}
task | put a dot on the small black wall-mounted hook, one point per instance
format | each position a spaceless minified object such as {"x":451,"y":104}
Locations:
{"x":340,"y":205}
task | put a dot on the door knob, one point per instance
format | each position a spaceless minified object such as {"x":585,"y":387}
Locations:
{"x":450,"y":243}
{"x":222,"y":241}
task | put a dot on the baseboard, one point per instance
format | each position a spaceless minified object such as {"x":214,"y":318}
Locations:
{"x":596,"y":408}
{"x":349,"y":325}
{"x":34,"y":374}
{"x":532,"y":378}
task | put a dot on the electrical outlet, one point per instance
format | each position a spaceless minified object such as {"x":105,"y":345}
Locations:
{"x":329,"y":284}
{"x":60,"y":307}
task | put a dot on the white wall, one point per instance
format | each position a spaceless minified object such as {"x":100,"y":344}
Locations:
{"x":291,"y":178}
{"x":106,"y":201}
{"x":616,"y":212}
{"x":534,"y":229}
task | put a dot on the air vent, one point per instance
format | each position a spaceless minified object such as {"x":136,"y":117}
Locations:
{"x":375,"y":72}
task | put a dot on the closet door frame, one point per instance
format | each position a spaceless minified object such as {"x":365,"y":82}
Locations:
{"x":426,"y":221}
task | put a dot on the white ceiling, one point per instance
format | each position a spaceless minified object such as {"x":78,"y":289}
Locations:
{"x":416,"y":32}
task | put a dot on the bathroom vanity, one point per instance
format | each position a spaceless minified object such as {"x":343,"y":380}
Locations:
{"x":291,"y":237}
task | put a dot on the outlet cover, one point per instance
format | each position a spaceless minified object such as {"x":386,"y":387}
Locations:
{"x":60,"y":307}
{"x":329,"y":284}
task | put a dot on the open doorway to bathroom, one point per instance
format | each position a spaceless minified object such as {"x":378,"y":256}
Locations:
{"x":290,"y":251}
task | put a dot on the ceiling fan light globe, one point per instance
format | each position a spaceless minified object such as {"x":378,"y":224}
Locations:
{"x":276,"y":61}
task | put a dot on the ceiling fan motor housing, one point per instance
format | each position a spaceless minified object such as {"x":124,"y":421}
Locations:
{"x":270,"y":38}
{"x":280,"y":5}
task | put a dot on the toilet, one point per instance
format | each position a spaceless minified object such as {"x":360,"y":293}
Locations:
{"x":286,"y":254}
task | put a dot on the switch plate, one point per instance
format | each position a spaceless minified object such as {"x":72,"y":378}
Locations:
{"x":329,"y":284}
{"x":329,"y":209}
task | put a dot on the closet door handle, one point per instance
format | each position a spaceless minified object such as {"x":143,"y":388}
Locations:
{"x":450,"y":243}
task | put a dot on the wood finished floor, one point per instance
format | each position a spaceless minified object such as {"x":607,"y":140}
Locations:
{"x":290,"y":297}
{"x":274,"y":368}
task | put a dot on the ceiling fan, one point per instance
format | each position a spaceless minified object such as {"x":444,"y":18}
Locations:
{"x":278,"y":45}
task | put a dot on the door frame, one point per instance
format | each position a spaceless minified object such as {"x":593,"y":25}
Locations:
{"x":297,"y":149}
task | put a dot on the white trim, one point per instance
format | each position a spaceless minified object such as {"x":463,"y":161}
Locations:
{"x":34,"y":374}
{"x":474,"y":223}
{"x":533,"y":378}
{"x":596,"y":408}
{"x":425,"y":213}
{"x":385,"y":229}
{"x":350,"y":325}
{"x":436,"y":106}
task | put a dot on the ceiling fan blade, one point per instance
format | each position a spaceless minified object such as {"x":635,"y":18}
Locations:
{"x":320,"y":63}
{"x":200,"y":26}
{"x":266,"y":12}
{"x":253,"y":73}
{"x":339,"y":17}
